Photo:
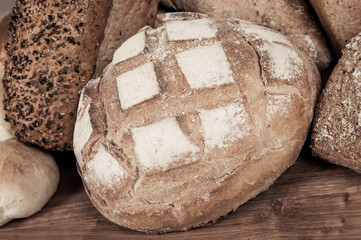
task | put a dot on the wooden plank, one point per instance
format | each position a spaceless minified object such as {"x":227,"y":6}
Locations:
{"x":311,"y":200}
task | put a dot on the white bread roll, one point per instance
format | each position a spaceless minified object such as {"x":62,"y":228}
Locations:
{"x":191,"y":120}
{"x":28,"y":179}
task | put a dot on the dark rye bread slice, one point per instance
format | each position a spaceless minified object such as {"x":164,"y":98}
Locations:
{"x":52,"y":52}
{"x":336,"y":132}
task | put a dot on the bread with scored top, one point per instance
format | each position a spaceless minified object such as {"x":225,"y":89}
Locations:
{"x":191,"y":120}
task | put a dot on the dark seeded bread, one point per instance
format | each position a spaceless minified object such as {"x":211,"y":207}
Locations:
{"x":336,"y":132}
{"x":52,"y":53}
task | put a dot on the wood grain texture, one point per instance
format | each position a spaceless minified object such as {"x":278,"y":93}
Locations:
{"x":311,"y":200}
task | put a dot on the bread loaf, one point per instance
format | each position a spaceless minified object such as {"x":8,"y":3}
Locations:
{"x":52,"y":51}
{"x":340,"y":19}
{"x":28,"y":179}
{"x":290,"y":17}
{"x":192,"y":119}
{"x":336,"y":132}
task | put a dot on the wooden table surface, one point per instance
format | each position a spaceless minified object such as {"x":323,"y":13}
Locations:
{"x":311,"y":200}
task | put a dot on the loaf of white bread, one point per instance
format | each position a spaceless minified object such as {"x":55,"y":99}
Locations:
{"x":191,"y":120}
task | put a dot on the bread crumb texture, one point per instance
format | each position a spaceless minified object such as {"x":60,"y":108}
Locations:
{"x":190,"y":121}
{"x":336,"y":134}
{"x":51,"y":52}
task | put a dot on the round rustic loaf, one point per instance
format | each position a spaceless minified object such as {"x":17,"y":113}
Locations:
{"x":53,"y":50}
{"x":290,"y":17}
{"x":28,"y":179}
{"x":192,"y":119}
{"x":336,"y":131}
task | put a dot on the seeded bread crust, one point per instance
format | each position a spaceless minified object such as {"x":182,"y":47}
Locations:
{"x":336,"y":132}
{"x":154,"y":161}
{"x":290,"y":17}
{"x":52,"y":53}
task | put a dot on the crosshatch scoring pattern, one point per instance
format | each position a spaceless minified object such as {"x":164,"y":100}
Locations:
{"x":183,"y":113}
{"x":162,"y":143}
{"x":175,"y":70}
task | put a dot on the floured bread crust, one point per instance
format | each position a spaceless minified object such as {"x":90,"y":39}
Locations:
{"x":290,"y":17}
{"x":336,"y":132}
{"x":191,"y":120}
{"x":125,"y":18}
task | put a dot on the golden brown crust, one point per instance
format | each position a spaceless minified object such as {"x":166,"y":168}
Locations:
{"x":336,"y":132}
{"x":340,"y":19}
{"x":290,"y":17}
{"x":52,"y":52}
{"x":126,"y":17}
{"x":272,"y":109}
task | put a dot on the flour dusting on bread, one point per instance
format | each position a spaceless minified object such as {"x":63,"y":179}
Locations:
{"x":130,"y":48}
{"x":205,"y":66}
{"x":105,"y":169}
{"x":224,"y":125}
{"x":160,"y":144}
{"x":137,"y":85}
{"x":186,"y":119}
{"x":195,"y":29}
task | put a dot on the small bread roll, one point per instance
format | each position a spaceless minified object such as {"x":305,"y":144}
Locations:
{"x":28,"y":179}
{"x":336,"y":132}
{"x":192,"y":119}
{"x":290,"y":17}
